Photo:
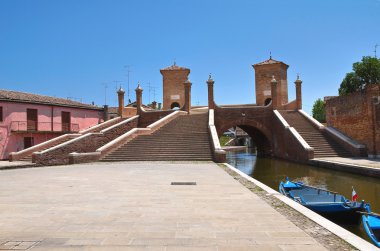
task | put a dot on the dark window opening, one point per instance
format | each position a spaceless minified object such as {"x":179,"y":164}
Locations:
{"x":28,"y":142}
{"x":66,"y":121}
{"x":1,"y":114}
{"x":267,"y":101}
{"x":31,"y":119}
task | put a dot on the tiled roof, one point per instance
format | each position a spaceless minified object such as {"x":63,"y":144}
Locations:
{"x":174,"y":67}
{"x":24,"y":97}
{"x":112,"y":110}
{"x":270,"y":61}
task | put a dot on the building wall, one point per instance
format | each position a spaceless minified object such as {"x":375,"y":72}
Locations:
{"x":173,"y":87}
{"x":357,"y":116}
{"x":12,"y":111}
{"x":263,"y":78}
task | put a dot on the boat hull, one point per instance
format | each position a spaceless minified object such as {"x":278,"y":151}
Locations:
{"x":372,"y":234}
{"x":330,"y":205}
{"x":371,"y":224}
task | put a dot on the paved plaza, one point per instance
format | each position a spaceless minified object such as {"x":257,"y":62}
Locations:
{"x":133,"y":206}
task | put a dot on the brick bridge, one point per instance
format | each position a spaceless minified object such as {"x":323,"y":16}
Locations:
{"x":283,"y":130}
{"x":278,"y":128}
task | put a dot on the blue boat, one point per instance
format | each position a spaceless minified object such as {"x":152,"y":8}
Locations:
{"x":371,"y":223}
{"x":326,"y":203}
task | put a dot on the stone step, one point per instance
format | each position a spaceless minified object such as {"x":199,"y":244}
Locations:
{"x":169,"y":142}
{"x":322,"y":144}
{"x":163,"y":148}
{"x":184,"y":138}
{"x":159,"y":154}
{"x":131,"y":154}
{"x":157,"y":159}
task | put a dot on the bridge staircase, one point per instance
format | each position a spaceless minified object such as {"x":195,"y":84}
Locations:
{"x":57,"y":142}
{"x":27,"y":157}
{"x":184,"y":138}
{"x":323,"y":145}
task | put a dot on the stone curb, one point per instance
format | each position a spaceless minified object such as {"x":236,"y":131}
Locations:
{"x":341,"y":166}
{"x":342,"y":233}
{"x":18,"y":166}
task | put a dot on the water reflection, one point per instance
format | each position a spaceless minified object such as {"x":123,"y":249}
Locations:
{"x":272,"y":171}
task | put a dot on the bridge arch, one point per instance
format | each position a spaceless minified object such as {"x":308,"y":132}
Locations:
{"x":259,"y":133}
{"x":174,"y":105}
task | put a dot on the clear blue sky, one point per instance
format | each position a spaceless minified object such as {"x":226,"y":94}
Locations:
{"x":68,"y":48}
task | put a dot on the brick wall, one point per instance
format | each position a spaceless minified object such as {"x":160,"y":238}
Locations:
{"x":263,"y":77}
{"x":256,"y":121}
{"x":149,"y":117}
{"x":173,"y":88}
{"x":353,"y":115}
{"x":260,"y":123}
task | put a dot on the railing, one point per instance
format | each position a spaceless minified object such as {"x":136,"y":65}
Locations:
{"x":219,"y":153}
{"x":30,"y":126}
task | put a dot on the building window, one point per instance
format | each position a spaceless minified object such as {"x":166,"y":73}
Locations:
{"x":1,"y":114}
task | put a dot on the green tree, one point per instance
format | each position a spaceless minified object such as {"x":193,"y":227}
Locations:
{"x":365,"y":72}
{"x":319,"y":111}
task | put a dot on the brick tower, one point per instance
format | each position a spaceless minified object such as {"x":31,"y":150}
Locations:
{"x":174,"y":78}
{"x":264,"y":72}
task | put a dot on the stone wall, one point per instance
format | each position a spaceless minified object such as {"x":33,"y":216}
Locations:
{"x":85,"y":144}
{"x":357,"y":116}
{"x":148,"y":117}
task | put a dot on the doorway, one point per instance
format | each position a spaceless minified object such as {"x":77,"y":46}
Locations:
{"x":66,"y":121}
{"x":31,"y":119}
{"x":28,"y":142}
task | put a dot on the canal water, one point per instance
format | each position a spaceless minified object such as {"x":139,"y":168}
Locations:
{"x":272,"y":171}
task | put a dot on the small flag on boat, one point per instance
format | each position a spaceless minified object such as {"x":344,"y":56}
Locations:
{"x":354,"y":194}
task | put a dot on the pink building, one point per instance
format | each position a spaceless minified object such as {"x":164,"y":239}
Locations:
{"x":29,"y":119}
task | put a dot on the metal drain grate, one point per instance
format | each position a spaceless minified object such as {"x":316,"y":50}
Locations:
{"x":188,"y":183}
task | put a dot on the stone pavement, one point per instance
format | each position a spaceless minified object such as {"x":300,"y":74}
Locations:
{"x":5,"y":164}
{"x":133,"y":206}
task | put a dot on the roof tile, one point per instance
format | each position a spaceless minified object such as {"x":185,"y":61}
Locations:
{"x":14,"y":96}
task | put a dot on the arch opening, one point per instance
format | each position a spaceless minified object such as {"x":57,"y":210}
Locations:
{"x":174,"y":106}
{"x":251,"y":137}
{"x":267,"y":101}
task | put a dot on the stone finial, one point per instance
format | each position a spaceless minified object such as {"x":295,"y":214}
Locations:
{"x":273,"y":81}
{"x":298,"y":80}
{"x":210,"y":80}
{"x":121,"y":90}
{"x":138,"y":87}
